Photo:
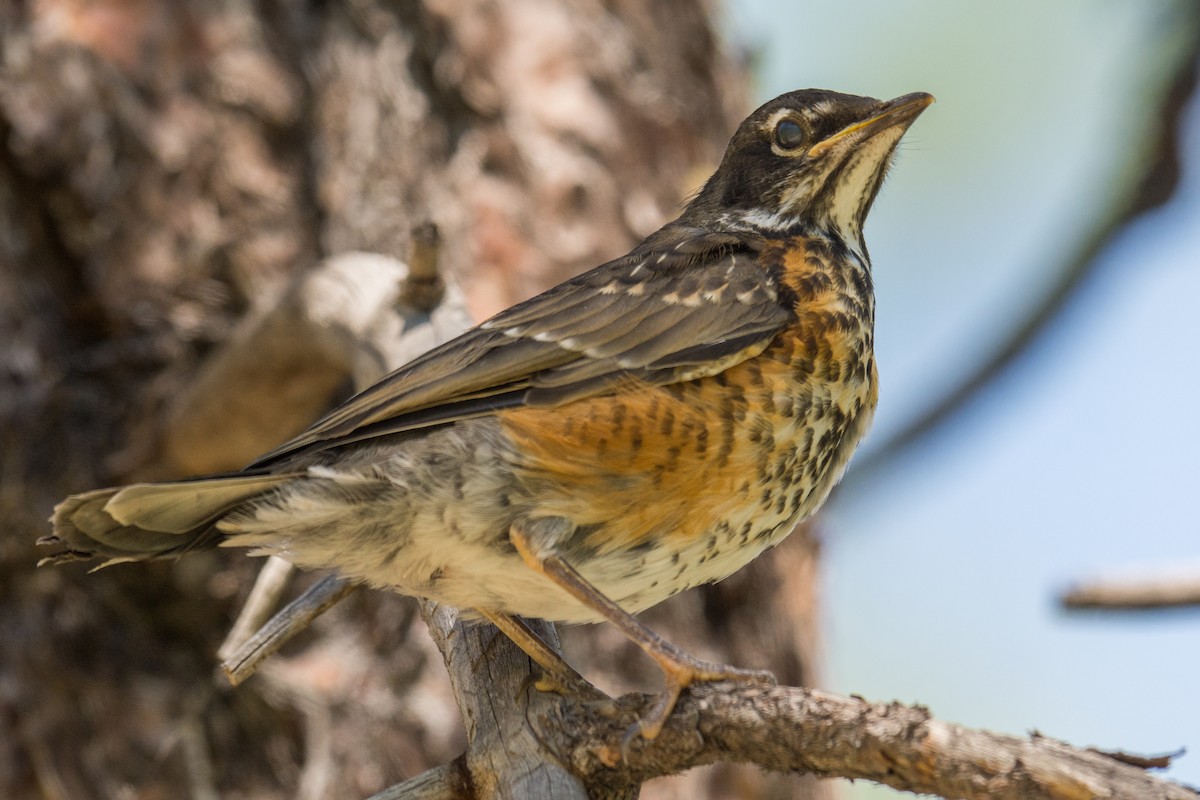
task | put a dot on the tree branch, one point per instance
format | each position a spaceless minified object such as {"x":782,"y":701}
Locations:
{"x":494,"y":687}
{"x":447,"y":782}
{"x":1135,"y":594}
{"x":241,"y":657}
{"x":268,"y":587}
{"x":802,"y":730}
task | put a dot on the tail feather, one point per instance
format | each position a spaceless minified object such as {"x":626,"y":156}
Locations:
{"x":182,"y":507}
{"x":150,"y":520}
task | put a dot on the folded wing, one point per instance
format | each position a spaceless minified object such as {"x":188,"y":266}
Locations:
{"x":682,"y":305}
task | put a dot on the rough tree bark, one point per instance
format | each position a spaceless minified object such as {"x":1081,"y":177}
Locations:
{"x":165,"y":169}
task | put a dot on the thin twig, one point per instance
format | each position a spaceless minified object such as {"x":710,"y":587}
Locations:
{"x":1141,"y":762}
{"x":194,"y":745}
{"x":45,"y":771}
{"x":423,"y":288}
{"x":268,"y":588}
{"x":1134,"y":594}
{"x":295,"y":617}
{"x":318,"y":744}
{"x":317,"y":768}
{"x":440,"y":783}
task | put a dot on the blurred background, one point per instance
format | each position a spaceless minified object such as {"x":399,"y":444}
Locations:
{"x":166,"y":170}
{"x":1079,"y":459}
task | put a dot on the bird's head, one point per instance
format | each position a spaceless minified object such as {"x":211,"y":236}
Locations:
{"x":809,"y":158}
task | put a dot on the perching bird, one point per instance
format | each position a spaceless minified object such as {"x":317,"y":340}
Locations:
{"x":649,"y":426}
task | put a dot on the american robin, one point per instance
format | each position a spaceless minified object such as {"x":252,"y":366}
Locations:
{"x":649,"y":426}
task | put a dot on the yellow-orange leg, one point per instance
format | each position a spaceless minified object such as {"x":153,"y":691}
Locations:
{"x":680,"y":669}
{"x":524,"y":637}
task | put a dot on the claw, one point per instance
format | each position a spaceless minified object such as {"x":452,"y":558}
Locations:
{"x":681,"y":670}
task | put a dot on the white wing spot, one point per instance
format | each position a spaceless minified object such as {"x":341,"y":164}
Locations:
{"x":675,"y":299}
{"x":318,"y":471}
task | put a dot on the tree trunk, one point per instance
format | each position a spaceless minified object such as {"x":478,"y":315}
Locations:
{"x":166,"y":171}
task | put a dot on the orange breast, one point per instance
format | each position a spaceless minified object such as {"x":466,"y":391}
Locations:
{"x":736,"y":456}
{"x":648,"y":462}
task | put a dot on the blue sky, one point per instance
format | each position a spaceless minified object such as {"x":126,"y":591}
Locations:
{"x":941,"y":574}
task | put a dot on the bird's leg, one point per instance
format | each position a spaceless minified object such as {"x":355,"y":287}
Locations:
{"x":555,"y":666}
{"x":680,"y":669}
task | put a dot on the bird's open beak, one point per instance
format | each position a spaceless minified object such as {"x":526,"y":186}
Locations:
{"x":899,"y":112}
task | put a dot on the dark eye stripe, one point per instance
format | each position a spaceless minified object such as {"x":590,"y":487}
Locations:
{"x":788,"y":134}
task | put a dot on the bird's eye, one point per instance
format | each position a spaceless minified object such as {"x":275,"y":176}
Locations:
{"x":788,"y":134}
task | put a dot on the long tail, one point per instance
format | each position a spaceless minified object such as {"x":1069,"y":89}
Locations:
{"x":149,"y":520}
